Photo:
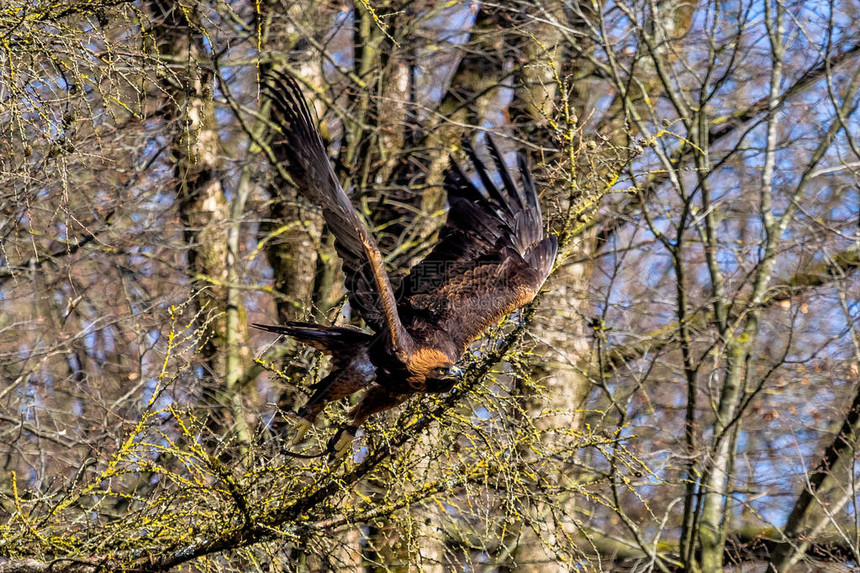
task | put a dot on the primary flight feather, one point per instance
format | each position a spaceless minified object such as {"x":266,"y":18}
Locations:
{"x":491,"y":259}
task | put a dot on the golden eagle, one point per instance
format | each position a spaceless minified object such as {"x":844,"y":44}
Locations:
{"x":491,"y":259}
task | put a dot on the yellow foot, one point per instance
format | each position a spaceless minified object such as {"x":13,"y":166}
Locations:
{"x":343,"y":445}
{"x":301,"y":426}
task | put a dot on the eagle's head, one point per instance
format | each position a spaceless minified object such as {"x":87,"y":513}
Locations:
{"x":431,"y":370}
{"x":443,"y":380}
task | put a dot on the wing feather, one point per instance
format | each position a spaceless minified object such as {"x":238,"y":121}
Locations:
{"x":499,"y":199}
{"x":299,"y":146}
{"x":491,"y":258}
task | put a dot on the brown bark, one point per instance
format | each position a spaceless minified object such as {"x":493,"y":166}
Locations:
{"x":202,"y":207}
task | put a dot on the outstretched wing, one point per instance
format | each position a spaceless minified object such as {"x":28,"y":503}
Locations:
{"x":300,"y":148}
{"x":491,"y":257}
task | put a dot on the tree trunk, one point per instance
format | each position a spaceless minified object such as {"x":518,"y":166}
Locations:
{"x":203,"y":211}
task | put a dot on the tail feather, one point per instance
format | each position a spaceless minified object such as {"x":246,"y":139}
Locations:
{"x":335,"y":340}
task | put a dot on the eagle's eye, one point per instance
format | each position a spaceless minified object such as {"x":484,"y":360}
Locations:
{"x":450,"y":371}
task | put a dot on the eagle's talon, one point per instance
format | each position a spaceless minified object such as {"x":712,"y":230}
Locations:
{"x":301,"y":427}
{"x":341,"y":443}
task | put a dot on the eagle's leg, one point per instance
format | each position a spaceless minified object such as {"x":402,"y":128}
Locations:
{"x":337,"y":385}
{"x":376,"y":399}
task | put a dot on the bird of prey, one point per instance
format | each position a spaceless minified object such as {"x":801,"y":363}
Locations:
{"x":491,"y":258}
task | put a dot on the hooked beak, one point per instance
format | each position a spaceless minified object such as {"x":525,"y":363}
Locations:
{"x":442,"y":385}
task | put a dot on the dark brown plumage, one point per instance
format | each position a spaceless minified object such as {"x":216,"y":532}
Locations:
{"x":491,"y":259}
